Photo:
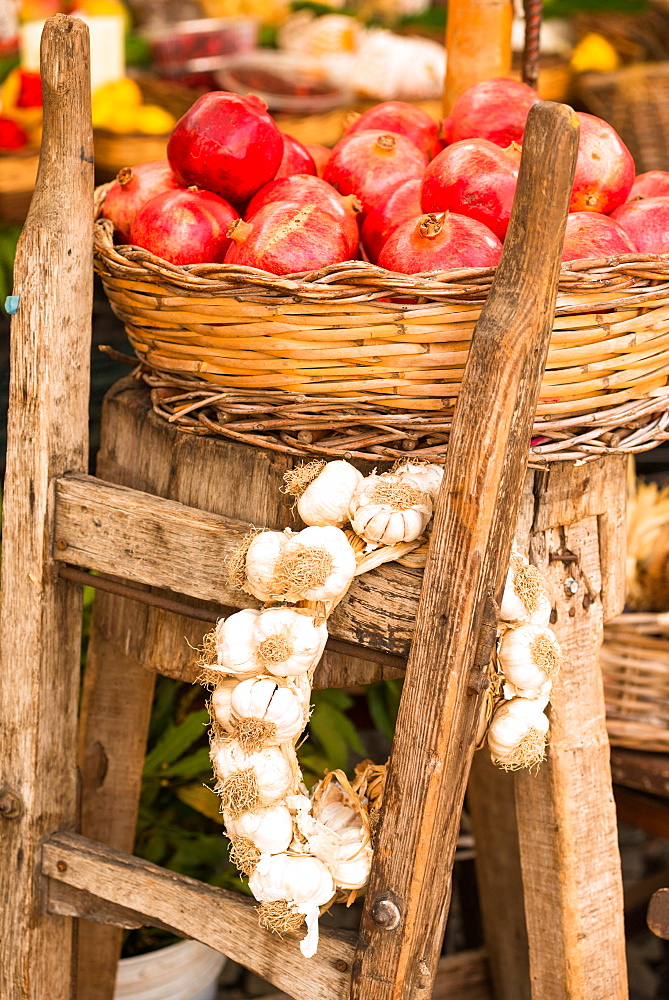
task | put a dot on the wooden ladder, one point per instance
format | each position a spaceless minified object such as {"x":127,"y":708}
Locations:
{"x":59,"y":521}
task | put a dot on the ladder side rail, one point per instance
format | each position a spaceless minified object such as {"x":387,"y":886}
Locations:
{"x":476,"y":512}
{"x":40,"y":625}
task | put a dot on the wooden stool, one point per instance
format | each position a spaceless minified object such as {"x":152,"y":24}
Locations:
{"x":174,"y":510}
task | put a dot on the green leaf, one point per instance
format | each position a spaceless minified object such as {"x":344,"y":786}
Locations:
{"x":175,"y":741}
{"x":195,"y":765}
{"x":335,"y":733}
{"x":202,"y":799}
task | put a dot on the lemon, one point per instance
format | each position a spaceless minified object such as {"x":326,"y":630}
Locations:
{"x":594,"y":52}
{"x":122,"y":121}
{"x":123,"y":93}
{"x":152,"y":120}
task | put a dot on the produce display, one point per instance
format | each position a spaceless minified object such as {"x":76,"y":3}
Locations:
{"x":396,"y":190}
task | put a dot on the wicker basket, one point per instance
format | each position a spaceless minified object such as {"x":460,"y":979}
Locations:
{"x":113,"y":151}
{"x":635,"y":100}
{"x":18,"y":172}
{"x":354,"y":360}
{"x":635,"y":667}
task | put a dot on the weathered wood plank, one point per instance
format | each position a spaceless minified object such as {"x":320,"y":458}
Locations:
{"x":566,"y":816}
{"x":220,"y":919}
{"x":153,"y":541}
{"x":476,"y":512}
{"x":658,"y":914}
{"x":40,"y":625}
{"x":649,"y":772}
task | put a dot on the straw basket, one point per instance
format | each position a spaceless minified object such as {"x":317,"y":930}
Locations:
{"x":18,"y":172}
{"x":354,"y":360}
{"x":635,"y":666}
{"x":635,"y":100}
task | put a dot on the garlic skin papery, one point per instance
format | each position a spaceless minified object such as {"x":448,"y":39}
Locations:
{"x":261,"y":558}
{"x":234,"y":643}
{"x":517,"y":734}
{"x":540,"y":696}
{"x":248,"y":781}
{"x":292,"y":884}
{"x":269,"y":830}
{"x":318,"y":564}
{"x":288,"y":642}
{"x":524,"y":598}
{"x":336,"y":834}
{"x":425,"y":477}
{"x":386,"y":510}
{"x":264,"y":713}
{"x":220,"y":703}
{"x":529,"y":656}
{"x":325,"y":500}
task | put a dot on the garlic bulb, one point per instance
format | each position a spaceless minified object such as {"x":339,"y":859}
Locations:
{"x":316,"y":564}
{"x":424,"y":477}
{"x":524,"y":598}
{"x":529,"y":656}
{"x":540,"y":695}
{"x":302,"y":883}
{"x":264,"y":713}
{"x":269,"y":830}
{"x":517,"y":734}
{"x":247,"y":781}
{"x":220,"y":704}
{"x":337,"y":836}
{"x":261,"y":558}
{"x":288,"y":642}
{"x":386,"y":510}
{"x":234,"y":643}
{"x":325,"y":500}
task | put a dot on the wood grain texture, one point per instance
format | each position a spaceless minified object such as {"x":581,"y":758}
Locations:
{"x":565,"y":811}
{"x":649,"y":772}
{"x":491,"y":806}
{"x":40,"y":626}
{"x":223,"y":920}
{"x":474,"y":520}
{"x":478,"y":43}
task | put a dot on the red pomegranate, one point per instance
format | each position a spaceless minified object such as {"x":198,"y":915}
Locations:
{"x":590,"y":234}
{"x":131,"y":190}
{"x":286,"y":239}
{"x":320,"y":155}
{"x":402,"y":119}
{"x":185,"y":226}
{"x":473,"y":177}
{"x":496,"y":110}
{"x":441,"y":242}
{"x":371,"y":164}
{"x":646,"y":222}
{"x":296,"y":158}
{"x":301,"y":189}
{"x":604,"y":168}
{"x":652,"y":184}
{"x":226,"y":144}
{"x":403,"y":204}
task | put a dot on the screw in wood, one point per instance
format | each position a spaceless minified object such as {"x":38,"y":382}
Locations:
{"x":341,"y":965}
{"x":385,"y":914}
{"x":61,"y":866}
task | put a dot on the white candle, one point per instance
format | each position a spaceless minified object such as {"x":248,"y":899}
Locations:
{"x":107,"y":47}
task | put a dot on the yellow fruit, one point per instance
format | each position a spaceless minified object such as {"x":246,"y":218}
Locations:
{"x":121,"y":121}
{"x":152,"y":120}
{"x":123,"y":93}
{"x":593,"y":52}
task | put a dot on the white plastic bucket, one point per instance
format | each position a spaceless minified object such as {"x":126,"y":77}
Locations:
{"x":187,"y":970}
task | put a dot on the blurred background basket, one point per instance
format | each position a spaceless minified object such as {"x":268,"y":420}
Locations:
{"x":17,"y":180}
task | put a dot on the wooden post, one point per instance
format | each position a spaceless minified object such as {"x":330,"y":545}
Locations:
{"x":409,"y":889}
{"x":40,"y":625}
{"x":478,"y":44}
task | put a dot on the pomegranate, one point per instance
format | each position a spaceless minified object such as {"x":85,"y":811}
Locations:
{"x":371,"y":164}
{"x":403,"y":119}
{"x":296,"y":158}
{"x":319,"y":154}
{"x":286,"y":239}
{"x":403,"y":204}
{"x":496,"y":110}
{"x":131,"y":190}
{"x":646,"y":222}
{"x":604,"y":168}
{"x":652,"y":184}
{"x":440,"y":241}
{"x":184,"y":226}
{"x":590,"y":234}
{"x":303,"y":188}
{"x":473,"y":177}
{"x":226,"y":144}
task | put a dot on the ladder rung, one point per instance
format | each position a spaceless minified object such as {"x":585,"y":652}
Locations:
{"x":220,"y":919}
{"x":162,"y":543}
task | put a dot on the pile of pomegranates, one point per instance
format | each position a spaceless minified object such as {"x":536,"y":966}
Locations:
{"x":396,"y":190}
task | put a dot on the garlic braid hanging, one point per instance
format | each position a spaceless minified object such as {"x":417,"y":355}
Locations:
{"x":301,"y":850}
